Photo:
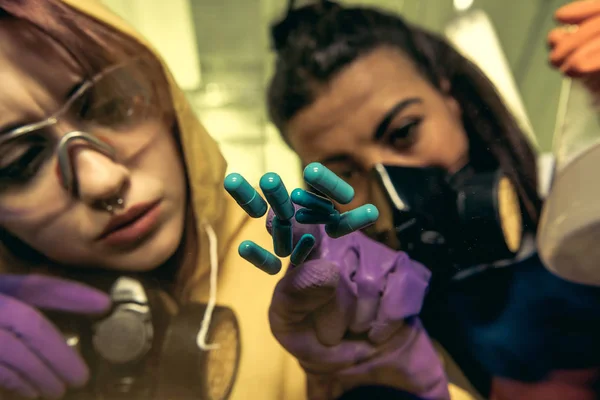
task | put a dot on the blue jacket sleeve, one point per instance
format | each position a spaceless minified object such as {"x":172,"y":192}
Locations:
{"x":522,"y":322}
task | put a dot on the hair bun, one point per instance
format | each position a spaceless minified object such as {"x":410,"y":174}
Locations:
{"x":295,"y":18}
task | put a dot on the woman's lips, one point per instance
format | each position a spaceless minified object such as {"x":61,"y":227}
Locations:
{"x":131,"y":226}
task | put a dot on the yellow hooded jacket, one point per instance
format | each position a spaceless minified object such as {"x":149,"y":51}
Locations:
{"x":266,"y":370}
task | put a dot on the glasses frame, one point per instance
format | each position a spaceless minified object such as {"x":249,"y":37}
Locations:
{"x":56,"y":116}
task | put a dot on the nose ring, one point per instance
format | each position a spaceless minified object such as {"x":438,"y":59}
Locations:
{"x":111,"y":205}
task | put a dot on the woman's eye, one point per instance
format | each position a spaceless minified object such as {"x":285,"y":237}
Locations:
{"x":404,"y":136}
{"x":345,"y":174}
{"x":25,"y":166}
{"x":115,"y":113}
{"x":21,"y":160}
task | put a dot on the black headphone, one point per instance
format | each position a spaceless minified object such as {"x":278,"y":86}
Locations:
{"x":146,"y":346}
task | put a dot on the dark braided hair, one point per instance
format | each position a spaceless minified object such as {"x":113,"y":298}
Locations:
{"x":315,"y":42}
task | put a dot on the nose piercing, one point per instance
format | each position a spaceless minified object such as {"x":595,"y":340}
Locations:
{"x":111,"y":205}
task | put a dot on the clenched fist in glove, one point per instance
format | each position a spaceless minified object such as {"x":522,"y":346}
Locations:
{"x":349,"y":314}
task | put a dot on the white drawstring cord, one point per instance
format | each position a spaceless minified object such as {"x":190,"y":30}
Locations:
{"x":212,"y":297}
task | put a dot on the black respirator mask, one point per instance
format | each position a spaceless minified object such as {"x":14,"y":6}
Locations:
{"x":146,"y":347}
{"x":451,"y":220}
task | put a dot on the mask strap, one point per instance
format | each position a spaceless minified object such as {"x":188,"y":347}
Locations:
{"x":212,"y":297}
{"x":546,"y":171}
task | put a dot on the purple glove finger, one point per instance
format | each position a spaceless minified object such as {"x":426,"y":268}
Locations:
{"x":43,"y":339}
{"x":20,"y":359}
{"x":12,"y":382}
{"x":303,"y":290}
{"x":54,"y":293}
{"x":330,"y":320}
{"x":373,"y":261}
{"x":330,"y":323}
{"x":403,"y":297}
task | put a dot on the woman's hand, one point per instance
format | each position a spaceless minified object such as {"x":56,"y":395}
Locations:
{"x":35,"y":360}
{"x":348,"y":314}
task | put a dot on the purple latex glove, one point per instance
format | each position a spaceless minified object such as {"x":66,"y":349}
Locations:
{"x":35,"y":360}
{"x":348,"y":313}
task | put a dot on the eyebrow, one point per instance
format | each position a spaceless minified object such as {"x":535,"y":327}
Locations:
{"x":389,"y":116}
{"x":381,"y":128}
{"x":18,"y":124}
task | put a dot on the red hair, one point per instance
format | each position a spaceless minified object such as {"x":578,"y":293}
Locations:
{"x":95,"y":46}
{"x":91,"y":43}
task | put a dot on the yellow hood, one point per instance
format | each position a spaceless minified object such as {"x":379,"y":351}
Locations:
{"x":204,"y":161}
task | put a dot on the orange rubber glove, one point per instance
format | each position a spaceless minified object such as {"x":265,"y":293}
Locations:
{"x":575,"y":47}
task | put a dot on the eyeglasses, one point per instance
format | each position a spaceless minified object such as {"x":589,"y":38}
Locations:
{"x":115,"y":100}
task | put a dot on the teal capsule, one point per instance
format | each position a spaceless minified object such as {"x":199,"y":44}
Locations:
{"x":245,"y":195}
{"x":325,"y":181}
{"x":306,"y":216}
{"x":282,"y":237}
{"x":312,"y":201}
{"x":303,"y":249}
{"x":354,"y":220}
{"x":277,"y":196}
{"x":259,"y":257}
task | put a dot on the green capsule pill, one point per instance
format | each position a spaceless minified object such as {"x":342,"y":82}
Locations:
{"x":245,"y":195}
{"x":354,"y":220}
{"x":259,"y":257}
{"x":310,"y":217}
{"x":328,"y":183}
{"x":277,"y":196}
{"x":312,"y":201}
{"x":282,"y":237}
{"x":303,"y":249}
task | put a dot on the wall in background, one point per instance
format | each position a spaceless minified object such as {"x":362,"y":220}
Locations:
{"x":220,"y":52}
